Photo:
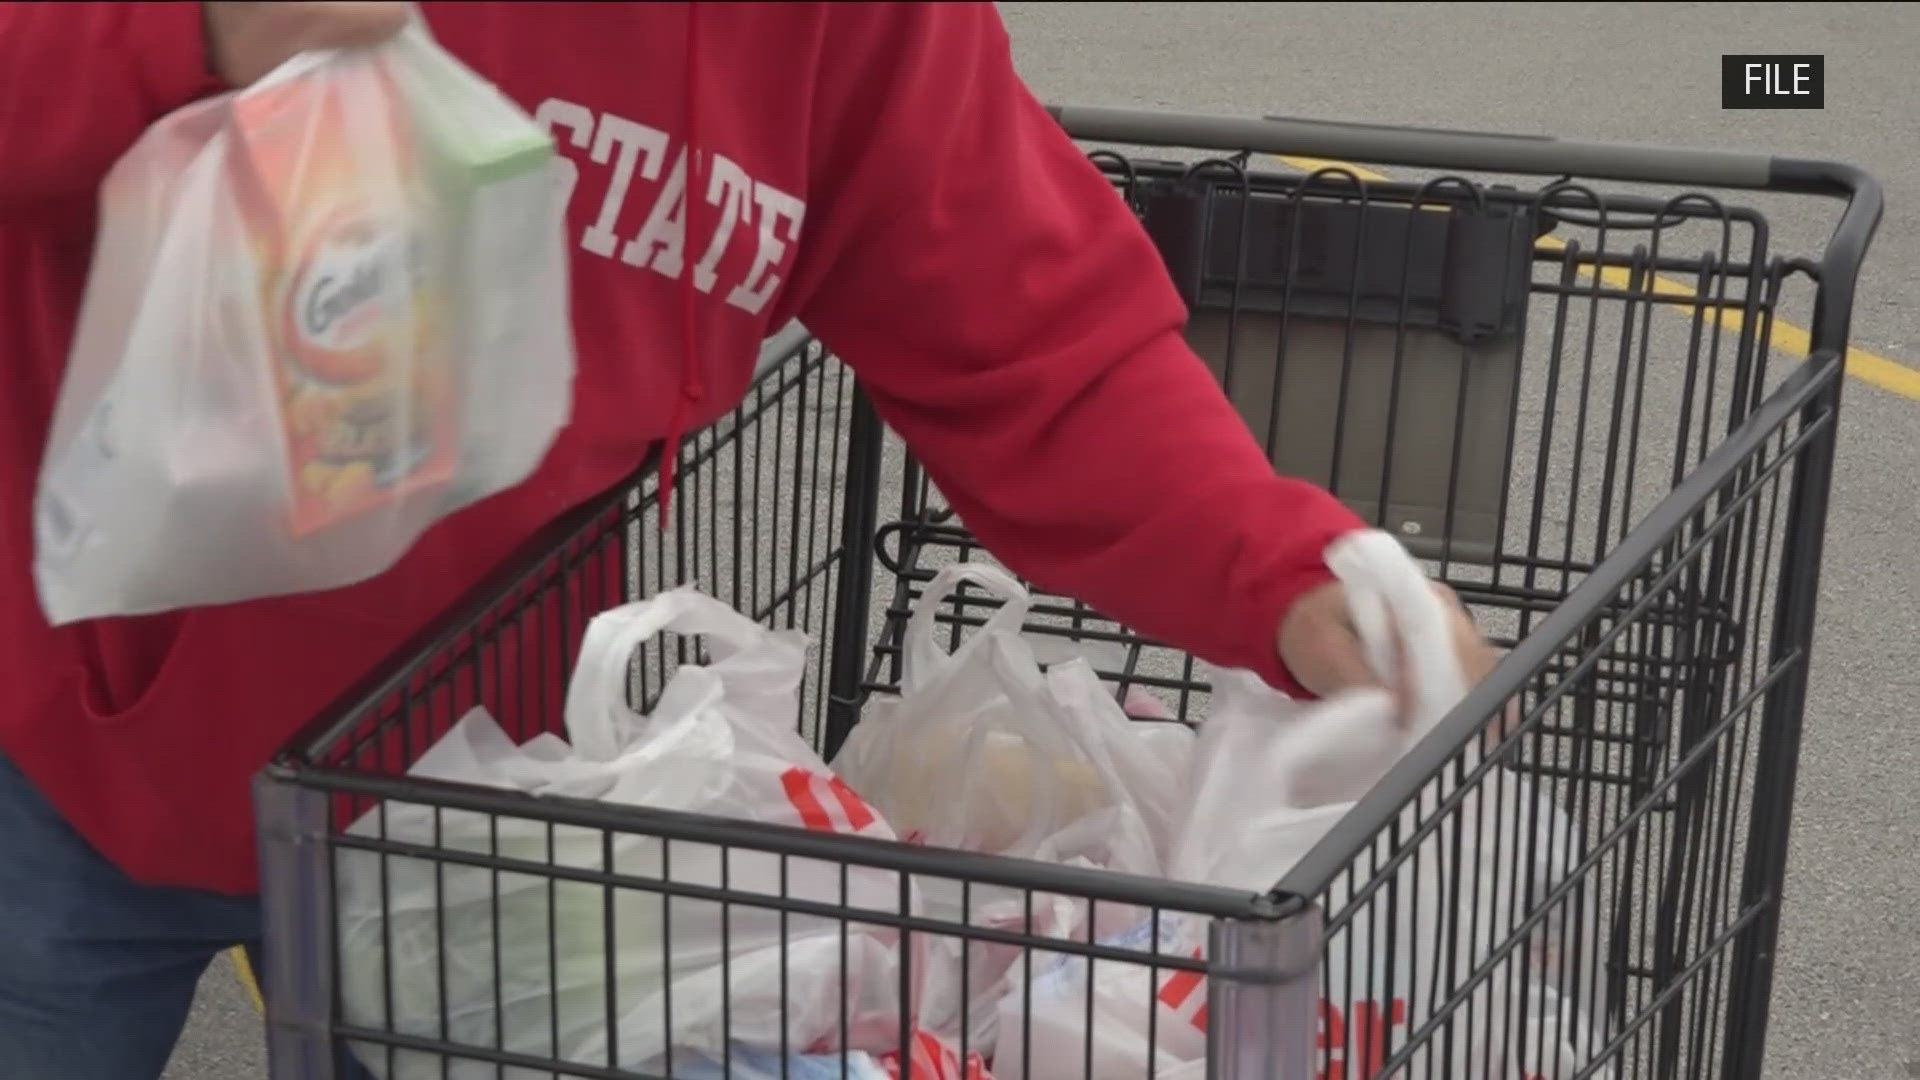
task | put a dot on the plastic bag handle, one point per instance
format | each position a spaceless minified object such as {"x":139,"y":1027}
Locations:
{"x":597,"y":692}
{"x":1073,"y":704}
{"x":1391,"y":600}
{"x":1340,"y":749}
{"x":923,"y":655}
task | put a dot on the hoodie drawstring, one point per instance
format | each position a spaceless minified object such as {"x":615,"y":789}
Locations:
{"x":691,"y":390}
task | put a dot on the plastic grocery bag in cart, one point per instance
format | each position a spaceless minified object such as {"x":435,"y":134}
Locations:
{"x":984,"y":752}
{"x":1270,"y":777}
{"x":323,"y":312}
{"x":720,"y":740}
{"x":961,"y":758}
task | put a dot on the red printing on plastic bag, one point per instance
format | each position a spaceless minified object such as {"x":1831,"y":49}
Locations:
{"x":803,"y":792}
{"x":935,"y":1060}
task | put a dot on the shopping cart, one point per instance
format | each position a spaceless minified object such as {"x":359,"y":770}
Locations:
{"x":1577,"y":406}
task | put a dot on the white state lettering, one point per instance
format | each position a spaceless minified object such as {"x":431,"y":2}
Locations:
{"x":728,"y":185}
{"x":757,"y":288}
{"x":633,"y":139}
{"x":666,"y":227}
{"x":554,"y":114}
{"x":662,"y":245}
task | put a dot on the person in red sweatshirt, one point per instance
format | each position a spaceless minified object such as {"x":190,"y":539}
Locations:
{"x":878,"y":171}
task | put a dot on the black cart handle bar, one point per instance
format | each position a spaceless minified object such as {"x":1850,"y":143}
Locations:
{"x":1440,"y":149}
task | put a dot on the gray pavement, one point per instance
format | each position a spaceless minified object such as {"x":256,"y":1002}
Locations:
{"x":1849,"y":982}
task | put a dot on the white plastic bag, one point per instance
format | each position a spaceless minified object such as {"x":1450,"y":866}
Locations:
{"x":722,"y":741}
{"x":964,"y":758}
{"x":983,"y":752}
{"x":1270,"y":776}
{"x":324,"y":312}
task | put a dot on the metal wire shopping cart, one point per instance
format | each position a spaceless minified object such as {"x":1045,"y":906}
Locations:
{"x":1569,"y":402}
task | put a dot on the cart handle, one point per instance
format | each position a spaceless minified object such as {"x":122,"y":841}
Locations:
{"x":1434,"y":147}
{"x":1525,"y":154}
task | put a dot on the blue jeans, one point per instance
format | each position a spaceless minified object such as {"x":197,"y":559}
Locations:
{"x":97,"y":972}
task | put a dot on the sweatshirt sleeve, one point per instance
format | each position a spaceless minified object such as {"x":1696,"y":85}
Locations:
{"x":1015,"y":325}
{"x":80,"y":82}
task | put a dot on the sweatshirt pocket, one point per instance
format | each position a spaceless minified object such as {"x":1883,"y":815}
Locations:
{"x":266,"y":665}
{"x":103,"y":703}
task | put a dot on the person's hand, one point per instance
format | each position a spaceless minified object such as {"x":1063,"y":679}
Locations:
{"x":248,"y":38}
{"x":1321,"y":647}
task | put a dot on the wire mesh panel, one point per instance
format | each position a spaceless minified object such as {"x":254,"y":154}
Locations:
{"x":1648,"y":853}
{"x":714,"y":943}
{"x":756,"y":521}
{"x":1564,"y":401}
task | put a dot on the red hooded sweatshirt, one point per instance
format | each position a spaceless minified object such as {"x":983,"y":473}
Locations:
{"x":876,"y":170}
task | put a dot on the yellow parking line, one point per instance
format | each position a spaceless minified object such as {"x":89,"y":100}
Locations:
{"x":245,"y":972}
{"x":1870,"y":368}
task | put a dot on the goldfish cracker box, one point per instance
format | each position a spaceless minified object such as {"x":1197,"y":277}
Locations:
{"x":358,"y":339}
{"x":356,"y":206}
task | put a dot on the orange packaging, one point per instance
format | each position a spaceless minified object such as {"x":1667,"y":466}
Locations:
{"x":358,"y":332}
